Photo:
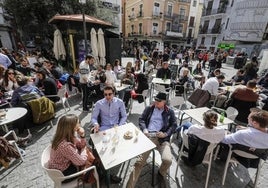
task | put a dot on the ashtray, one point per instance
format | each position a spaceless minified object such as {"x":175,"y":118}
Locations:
{"x":128,"y":135}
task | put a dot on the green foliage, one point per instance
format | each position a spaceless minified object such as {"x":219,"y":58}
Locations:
{"x":33,"y":15}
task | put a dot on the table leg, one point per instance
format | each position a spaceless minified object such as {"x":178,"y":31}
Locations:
{"x":5,"y":128}
{"x":107,"y":178}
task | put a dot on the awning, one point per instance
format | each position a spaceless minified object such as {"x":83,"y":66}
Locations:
{"x":79,"y":18}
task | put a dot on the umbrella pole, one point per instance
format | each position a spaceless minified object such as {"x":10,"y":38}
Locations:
{"x":72,"y":50}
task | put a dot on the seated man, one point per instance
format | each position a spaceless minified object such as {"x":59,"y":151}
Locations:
{"x":158,"y":122}
{"x":254,"y":136}
{"x":109,"y":111}
{"x":243,"y":100}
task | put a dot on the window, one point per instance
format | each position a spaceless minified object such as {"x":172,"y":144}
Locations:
{"x":168,"y":26}
{"x":169,"y":10}
{"x":194,"y":3}
{"x":190,"y":33}
{"x":203,"y":40}
{"x":132,"y":28}
{"x":213,"y":40}
{"x":180,"y":28}
{"x":156,"y":8}
{"x":155,"y":28}
{"x":140,"y":28}
{"x":191,"y":23}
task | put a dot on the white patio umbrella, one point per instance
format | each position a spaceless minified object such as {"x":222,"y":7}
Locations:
{"x":58,"y":46}
{"x":94,"y":44}
{"x":101,"y":47}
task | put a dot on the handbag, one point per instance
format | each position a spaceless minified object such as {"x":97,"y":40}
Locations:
{"x":133,"y":94}
{"x":199,"y":97}
{"x":88,"y":177}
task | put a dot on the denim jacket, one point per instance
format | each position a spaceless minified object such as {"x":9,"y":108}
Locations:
{"x":169,"y":121}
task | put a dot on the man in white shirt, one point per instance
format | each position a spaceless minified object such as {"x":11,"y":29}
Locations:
{"x":84,"y":72}
{"x":212,"y":85}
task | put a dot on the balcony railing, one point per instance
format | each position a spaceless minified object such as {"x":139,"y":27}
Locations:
{"x":168,"y":15}
{"x":157,"y":14}
{"x":208,"y":12}
{"x":131,"y":17}
{"x":140,"y":14}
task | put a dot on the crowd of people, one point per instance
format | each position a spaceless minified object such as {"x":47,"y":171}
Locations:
{"x":68,"y":153}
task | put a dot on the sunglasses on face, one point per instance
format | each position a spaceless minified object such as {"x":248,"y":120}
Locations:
{"x":11,"y":73}
{"x":108,"y":94}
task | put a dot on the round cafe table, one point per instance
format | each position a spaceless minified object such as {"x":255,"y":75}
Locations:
{"x":12,"y":114}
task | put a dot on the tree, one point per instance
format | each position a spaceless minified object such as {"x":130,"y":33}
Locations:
{"x":32,"y":17}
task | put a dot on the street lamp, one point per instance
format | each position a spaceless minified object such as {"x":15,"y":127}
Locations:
{"x":83,"y":2}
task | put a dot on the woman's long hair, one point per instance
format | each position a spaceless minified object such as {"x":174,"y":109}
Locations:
{"x":210,"y":119}
{"x":65,"y":130}
{"x":6,"y":79}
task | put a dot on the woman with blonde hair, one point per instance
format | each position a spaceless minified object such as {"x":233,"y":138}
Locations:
{"x":68,"y":150}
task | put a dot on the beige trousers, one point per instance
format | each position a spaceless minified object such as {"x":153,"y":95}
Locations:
{"x":166,"y":157}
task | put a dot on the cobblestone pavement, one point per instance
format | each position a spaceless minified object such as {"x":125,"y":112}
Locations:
{"x":30,"y":174}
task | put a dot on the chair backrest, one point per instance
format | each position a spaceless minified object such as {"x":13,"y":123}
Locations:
{"x":231,"y":113}
{"x":177,"y":101}
{"x":145,"y":93}
{"x":54,"y":174}
{"x":160,"y":88}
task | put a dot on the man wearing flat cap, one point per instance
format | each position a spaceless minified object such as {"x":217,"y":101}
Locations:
{"x":157,"y":122}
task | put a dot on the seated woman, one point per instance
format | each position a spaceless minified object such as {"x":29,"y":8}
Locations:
{"x":185,"y":78}
{"x":201,"y":136}
{"x":9,"y":82}
{"x":128,"y":78}
{"x":68,"y":152}
{"x":47,"y":85}
{"x":140,"y":86}
{"x":118,"y":69}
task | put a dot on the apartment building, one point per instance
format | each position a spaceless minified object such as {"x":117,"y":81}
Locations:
{"x":159,"y":21}
{"x":195,"y":14}
{"x":212,"y":24}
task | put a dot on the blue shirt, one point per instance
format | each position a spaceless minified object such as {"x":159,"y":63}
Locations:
{"x":111,"y":113}
{"x":156,"y":121}
{"x":250,"y":137}
{"x":4,"y":60}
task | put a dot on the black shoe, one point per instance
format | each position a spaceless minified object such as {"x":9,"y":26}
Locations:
{"x":161,"y":180}
{"x":115,"y":179}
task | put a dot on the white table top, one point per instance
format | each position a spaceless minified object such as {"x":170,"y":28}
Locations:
{"x":161,"y":81}
{"x":232,"y":88}
{"x":13,"y":114}
{"x":125,"y":149}
{"x":197,"y":114}
{"x":120,"y":87}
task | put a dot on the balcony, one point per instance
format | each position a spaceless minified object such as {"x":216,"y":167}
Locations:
{"x":157,"y":14}
{"x":185,"y":1}
{"x":203,"y":31}
{"x":173,"y":34}
{"x":220,"y":10}
{"x":131,"y":17}
{"x":140,"y":14}
{"x":168,"y":15}
{"x":215,"y":30}
{"x":134,"y":34}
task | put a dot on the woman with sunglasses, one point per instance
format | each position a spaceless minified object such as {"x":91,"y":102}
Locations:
{"x":9,"y":82}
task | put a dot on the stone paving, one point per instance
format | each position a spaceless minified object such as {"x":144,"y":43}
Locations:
{"x":30,"y":174}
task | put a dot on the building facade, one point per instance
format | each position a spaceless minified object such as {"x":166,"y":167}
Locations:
{"x":159,"y":21}
{"x":195,"y":14}
{"x":213,"y":23}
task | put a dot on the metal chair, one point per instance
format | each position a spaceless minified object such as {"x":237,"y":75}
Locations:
{"x":63,"y":95}
{"x":244,"y":154}
{"x":145,"y":95}
{"x":207,"y":158}
{"x":58,"y":177}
